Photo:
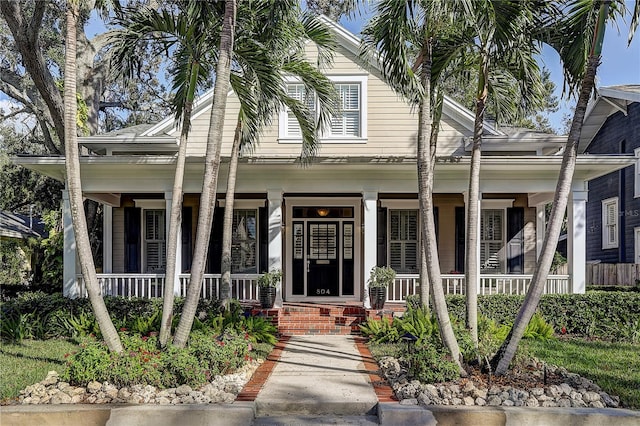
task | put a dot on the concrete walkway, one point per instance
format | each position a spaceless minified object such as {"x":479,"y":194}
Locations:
{"x":318,"y":375}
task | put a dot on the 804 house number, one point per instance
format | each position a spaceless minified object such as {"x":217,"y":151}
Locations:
{"x":323,"y":291}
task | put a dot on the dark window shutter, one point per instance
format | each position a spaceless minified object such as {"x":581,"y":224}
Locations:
{"x":382,"y":237}
{"x":515,"y":240}
{"x":263,"y":239}
{"x":215,"y":242}
{"x":187,"y":239}
{"x":132,"y":246}
{"x":460,"y":239}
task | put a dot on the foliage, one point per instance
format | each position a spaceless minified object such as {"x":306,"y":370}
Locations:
{"x":381,"y":276}
{"x":614,"y":366}
{"x":538,"y":328}
{"x":420,"y":323}
{"x":52,"y":263}
{"x":596,"y":314}
{"x":28,"y":362}
{"x":206,"y":355}
{"x":430,"y":365}
{"x":270,"y":279}
{"x":380,"y":331}
{"x":13,"y":263}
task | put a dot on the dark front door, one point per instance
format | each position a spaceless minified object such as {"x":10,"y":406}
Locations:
{"x":323,"y":259}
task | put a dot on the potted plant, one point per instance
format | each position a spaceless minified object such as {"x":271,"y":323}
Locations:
{"x":267,"y":283}
{"x":379,"y":279}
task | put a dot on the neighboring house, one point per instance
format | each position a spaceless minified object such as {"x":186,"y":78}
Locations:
{"x":612,"y":126}
{"x":18,"y":228}
{"x":325,"y":226}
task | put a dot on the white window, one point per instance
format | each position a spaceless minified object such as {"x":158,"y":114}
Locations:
{"x":299,"y":93}
{"x":403,"y":241}
{"x":348,"y":125}
{"x":244,"y":252}
{"x":636,"y":190}
{"x":347,"y":121}
{"x":610,"y":223}
{"x":154,"y":241}
{"x":492,"y":241}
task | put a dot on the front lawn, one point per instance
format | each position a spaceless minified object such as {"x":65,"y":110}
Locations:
{"x":615,"y":367}
{"x":23,"y":364}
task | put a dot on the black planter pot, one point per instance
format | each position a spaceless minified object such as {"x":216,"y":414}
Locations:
{"x":377,"y":295}
{"x":267,"y":297}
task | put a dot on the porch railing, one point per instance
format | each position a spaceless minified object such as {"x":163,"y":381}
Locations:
{"x":408,"y":284}
{"x":243,"y":286}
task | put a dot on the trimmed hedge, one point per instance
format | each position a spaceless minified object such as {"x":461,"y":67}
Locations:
{"x":601,"y":314}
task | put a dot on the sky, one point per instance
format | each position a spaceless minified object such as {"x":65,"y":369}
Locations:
{"x":620,"y":63}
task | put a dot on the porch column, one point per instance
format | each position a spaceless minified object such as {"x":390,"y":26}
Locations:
{"x":70,"y":287}
{"x":168,"y":197}
{"x":541,"y":227}
{"x":577,"y":240}
{"x":370,"y":223}
{"x":107,"y":239}
{"x":274,"y":197}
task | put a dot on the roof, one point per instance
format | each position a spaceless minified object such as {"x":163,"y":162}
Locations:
{"x":351,"y":43}
{"x":608,"y":101}
{"x":15,"y":225}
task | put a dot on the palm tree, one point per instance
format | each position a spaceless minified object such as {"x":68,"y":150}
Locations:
{"x":212,"y":166}
{"x":260,"y":90}
{"x":397,"y":30}
{"x":182,"y":32}
{"x":497,"y":43}
{"x":580,"y":52}
{"x":74,"y":186}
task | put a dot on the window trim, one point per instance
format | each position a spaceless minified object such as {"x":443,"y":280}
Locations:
{"x":500,"y":206}
{"x":636,"y":183}
{"x":256,"y":239}
{"x":606,"y":243}
{"x":161,"y":232}
{"x":362,"y":80}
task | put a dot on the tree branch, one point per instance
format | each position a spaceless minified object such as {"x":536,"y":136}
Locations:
{"x":36,"y":21}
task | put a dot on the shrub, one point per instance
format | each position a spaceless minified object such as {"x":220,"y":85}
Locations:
{"x":429,"y":365}
{"x":538,"y":328}
{"x":420,"y":323}
{"x":380,"y":331}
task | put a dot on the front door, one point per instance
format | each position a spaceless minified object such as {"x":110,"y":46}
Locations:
{"x":323,"y":266}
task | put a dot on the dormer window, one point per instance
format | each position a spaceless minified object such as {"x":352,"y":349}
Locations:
{"x":348,"y":125}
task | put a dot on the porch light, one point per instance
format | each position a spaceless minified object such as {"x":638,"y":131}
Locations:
{"x":322,"y":211}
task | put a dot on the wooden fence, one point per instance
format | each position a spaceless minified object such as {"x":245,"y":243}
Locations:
{"x":613,"y":274}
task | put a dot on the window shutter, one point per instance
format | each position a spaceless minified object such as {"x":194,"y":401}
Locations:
{"x":610,"y":223}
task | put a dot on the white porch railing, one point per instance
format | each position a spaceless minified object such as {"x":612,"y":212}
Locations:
{"x":243,"y":286}
{"x":407,"y":284}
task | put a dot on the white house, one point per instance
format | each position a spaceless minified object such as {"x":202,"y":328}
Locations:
{"x":325,"y":226}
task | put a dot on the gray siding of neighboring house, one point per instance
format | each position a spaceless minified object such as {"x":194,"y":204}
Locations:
{"x":619,"y":134}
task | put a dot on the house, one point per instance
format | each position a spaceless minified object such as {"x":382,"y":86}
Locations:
{"x":326,"y":226}
{"x":15,"y":231}
{"x":612,"y":127}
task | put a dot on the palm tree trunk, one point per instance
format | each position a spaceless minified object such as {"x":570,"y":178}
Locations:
{"x":227,"y":231}
{"x":507,"y":351}
{"x":473,"y":211}
{"x":210,"y":182}
{"x":176,"y":213}
{"x":74,"y":185}
{"x":425,"y":183}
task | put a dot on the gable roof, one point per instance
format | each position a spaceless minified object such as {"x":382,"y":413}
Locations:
{"x":609,"y":100}
{"x":351,"y":43}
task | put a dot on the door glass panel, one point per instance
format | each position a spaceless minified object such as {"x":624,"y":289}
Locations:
{"x":322,"y":241}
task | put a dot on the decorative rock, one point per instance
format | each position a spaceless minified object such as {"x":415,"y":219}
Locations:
{"x":564,"y":402}
{"x":607,"y":400}
{"x":494,"y":400}
{"x":549,"y":403}
{"x":456,"y":401}
{"x":590,"y":397}
{"x":469,"y":387}
{"x":94,"y":387}
{"x":565,"y":388}
{"x":183,"y":390}
{"x":508,"y":403}
{"x":537,"y":391}
{"x":424,"y":399}
{"x":596,"y":404}
{"x":409,"y":401}
{"x":479,"y":393}
{"x":532,"y":402}
{"x":481,"y":402}
{"x":51,"y":379}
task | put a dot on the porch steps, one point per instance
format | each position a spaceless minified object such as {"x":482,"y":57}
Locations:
{"x":299,"y":319}
{"x":296,"y":319}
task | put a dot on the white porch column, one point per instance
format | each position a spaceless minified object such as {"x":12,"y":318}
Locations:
{"x":168,"y":197}
{"x":577,"y":240}
{"x":107,"y":239}
{"x":70,"y":287}
{"x":274,"y":197}
{"x":370,"y":223}
{"x":541,"y":227}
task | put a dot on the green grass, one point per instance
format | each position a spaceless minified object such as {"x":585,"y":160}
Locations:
{"x":615,"y":367}
{"x":23,"y":364}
